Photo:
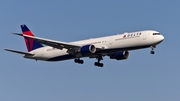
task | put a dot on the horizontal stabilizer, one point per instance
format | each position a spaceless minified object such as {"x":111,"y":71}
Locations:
{"x":19,"y":52}
{"x":20,"y":34}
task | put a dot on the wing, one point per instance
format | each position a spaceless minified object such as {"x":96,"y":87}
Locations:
{"x":52,"y":43}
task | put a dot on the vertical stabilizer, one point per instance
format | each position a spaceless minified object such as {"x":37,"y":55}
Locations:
{"x":30,"y":43}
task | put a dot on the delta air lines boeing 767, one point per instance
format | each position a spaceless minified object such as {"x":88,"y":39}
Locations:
{"x":115,"y":47}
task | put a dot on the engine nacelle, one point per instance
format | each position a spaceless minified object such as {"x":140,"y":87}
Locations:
{"x":88,"y":49}
{"x":120,"y":55}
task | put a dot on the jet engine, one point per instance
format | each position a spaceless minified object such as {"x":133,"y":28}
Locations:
{"x":88,"y":49}
{"x":120,"y":55}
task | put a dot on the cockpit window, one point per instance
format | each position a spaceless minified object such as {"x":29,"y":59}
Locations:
{"x":156,"y":34}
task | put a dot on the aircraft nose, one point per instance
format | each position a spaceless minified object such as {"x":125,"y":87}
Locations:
{"x":162,"y":38}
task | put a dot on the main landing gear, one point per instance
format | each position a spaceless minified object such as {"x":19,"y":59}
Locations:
{"x":78,"y":61}
{"x":99,"y":58}
{"x":152,"y":49}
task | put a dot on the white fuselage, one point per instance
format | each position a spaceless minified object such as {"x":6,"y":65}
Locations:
{"x":108,"y":44}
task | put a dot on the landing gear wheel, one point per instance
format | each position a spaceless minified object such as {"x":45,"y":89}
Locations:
{"x":81,"y":61}
{"x":152,"y":52}
{"x":98,"y":64}
{"x":95,"y":63}
{"x":78,"y":61}
{"x":101,"y":65}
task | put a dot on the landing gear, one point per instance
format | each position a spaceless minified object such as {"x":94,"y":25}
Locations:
{"x":98,"y":64}
{"x":152,"y":49}
{"x":78,"y":61}
{"x":99,"y":58}
{"x":152,"y":52}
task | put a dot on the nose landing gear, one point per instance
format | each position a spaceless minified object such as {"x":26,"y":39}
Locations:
{"x":152,"y":49}
{"x":152,"y":52}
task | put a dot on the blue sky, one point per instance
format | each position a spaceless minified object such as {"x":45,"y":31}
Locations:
{"x":142,"y":77}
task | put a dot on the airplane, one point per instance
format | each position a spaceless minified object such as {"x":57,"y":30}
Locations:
{"x":115,"y":46}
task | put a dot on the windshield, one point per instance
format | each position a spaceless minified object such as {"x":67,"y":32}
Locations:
{"x":156,"y":34}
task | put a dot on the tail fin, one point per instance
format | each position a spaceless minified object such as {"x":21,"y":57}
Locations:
{"x":30,"y":43}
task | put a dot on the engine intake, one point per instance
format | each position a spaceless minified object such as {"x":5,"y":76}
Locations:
{"x":120,"y":55}
{"x":88,"y":49}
